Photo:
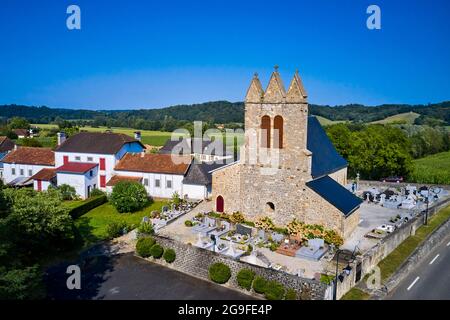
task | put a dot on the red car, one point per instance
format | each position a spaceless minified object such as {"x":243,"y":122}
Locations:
{"x":392,"y":179}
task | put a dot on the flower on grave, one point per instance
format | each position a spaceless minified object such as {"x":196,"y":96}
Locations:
{"x":265,"y":223}
{"x":237,"y":217}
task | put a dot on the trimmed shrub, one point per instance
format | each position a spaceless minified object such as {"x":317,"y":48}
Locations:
{"x":144,"y":245}
{"x":146,"y":228}
{"x":169,"y":255}
{"x":245,"y":278}
{"x":115,"y":229}
{"x":291,"y":294}
{"x":67,"y":192}
{"x":96,"y":193}
{"x":188,"y":223}
{"x":87,"y":206}
{"x":219,"y":272}
{"x":274,"y":290}
{"x":259,"y":284}
{"x":129,"y":196}
{"x":156,"y":251}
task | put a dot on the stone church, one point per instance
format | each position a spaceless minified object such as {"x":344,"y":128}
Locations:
{"x":288,"y":168}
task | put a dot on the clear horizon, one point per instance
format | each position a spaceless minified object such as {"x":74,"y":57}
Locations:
{"x":151,"y":55}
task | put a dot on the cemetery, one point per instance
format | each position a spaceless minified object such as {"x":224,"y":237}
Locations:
{"x":383,"y":211}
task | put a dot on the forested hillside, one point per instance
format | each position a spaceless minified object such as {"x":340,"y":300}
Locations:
{"x":222,"y":112}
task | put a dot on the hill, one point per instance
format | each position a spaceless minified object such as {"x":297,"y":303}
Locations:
{"x":432,"y":169}
{"x":219,"y":112}
{"x":404,"y":118}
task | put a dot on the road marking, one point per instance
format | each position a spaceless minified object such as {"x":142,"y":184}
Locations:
{"x":413,"y":283}
{"x":448,"y":244}
{"x":431,"y":262}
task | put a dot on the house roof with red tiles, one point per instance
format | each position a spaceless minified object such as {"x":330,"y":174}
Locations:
{"x":21,"y":132}
{"x":154,"y":163}
{"x":116,"y":179}
{"x":31,"y":155}
{"x":76,"y":167}
{"x":96,"y":142}
{"x":45,"y":174}
{"x":6,"y":144}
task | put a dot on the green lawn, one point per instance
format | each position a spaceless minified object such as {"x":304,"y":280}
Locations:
{"x":92,"y":226}
{"x":432,"y":169}
{"x":355,"y":294}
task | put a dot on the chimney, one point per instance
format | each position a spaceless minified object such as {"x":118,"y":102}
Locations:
{"x":137,"y":135}
{"x":61,"y":137}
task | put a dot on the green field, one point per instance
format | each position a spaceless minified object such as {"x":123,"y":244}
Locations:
{"x":432,"y":169}
{"x":406,"y":118}
{"x":326,"y":122}
{"x":153,"y":138}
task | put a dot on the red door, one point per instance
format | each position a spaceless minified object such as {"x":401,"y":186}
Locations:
{"x":39,"y":185}
{"x":66,"y":159}
{"x":102,"y":181}
{"x":102,"y":164}
{"x":219,"y":204}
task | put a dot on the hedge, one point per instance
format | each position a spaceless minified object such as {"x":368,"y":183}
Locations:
{"x":169,"y":255}
{"x":245,"y":278}
{"x":87,"y":206}
{"x":144,"y":246}
{"x":157,"y":251}
{"x":259,"y":284}
{"x":291,"y":294}
{"x":219,"y":272}
{"x":274,"y":290}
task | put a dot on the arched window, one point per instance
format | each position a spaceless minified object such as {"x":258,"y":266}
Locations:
{"x":270,"y":206}
{"x":219,"y":204}
{"x":265,"y":132}
{"x":278,"y":130}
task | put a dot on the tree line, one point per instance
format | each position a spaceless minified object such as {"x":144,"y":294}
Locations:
{"x":217,"y":112}
{"x":377,"y":151}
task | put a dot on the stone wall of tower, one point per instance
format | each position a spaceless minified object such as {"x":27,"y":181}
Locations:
{"x":277,"y":189}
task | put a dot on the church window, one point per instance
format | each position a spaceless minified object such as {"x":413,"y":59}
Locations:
{"x":265,"y":132}
{"x":278,"y":128}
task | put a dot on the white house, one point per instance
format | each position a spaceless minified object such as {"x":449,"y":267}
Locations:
{"x":22,"y":163}
{"x":6,"y":146}
{"x":44,"y":179}
{"x":198,"y":180}
{"x":161,"y":174}
{"x":104,"y":149}
{"x":203,"y":150}
{"x":80,"y":175}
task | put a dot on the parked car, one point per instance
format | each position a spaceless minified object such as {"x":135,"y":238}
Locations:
{"x":392,"y":179}
{"x":386,"y":228}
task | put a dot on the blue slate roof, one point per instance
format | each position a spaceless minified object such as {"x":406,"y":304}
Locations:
{"x":335,"y":194}
{"x":325,"y":158}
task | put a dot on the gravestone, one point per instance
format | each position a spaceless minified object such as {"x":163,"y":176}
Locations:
{"x":243,"y":230}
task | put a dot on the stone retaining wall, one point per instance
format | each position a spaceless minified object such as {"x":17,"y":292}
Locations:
{"x":195,"y":262}
{"x":388,"y":244}
{"x":435,"y":239}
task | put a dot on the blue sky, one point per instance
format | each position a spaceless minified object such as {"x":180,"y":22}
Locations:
{"x":151,"y":54}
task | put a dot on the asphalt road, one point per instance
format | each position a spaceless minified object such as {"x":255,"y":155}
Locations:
{"x":430,"y":280}
{"x":126,"y":277}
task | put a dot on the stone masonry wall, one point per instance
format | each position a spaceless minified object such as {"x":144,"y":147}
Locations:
{"x":195,"y":262}
{"x":372,"y":257}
